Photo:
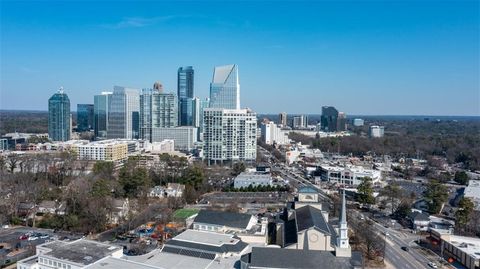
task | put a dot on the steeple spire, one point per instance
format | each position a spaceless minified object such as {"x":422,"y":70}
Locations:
{"x":342,"y":249}
{"x":343,"y":219}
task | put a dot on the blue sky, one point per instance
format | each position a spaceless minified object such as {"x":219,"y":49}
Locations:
{"x":364,"y":57}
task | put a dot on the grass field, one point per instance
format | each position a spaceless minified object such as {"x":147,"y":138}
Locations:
{"x":184,"y":213}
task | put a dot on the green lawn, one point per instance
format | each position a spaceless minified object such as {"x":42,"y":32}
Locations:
{"x":185,"y":213}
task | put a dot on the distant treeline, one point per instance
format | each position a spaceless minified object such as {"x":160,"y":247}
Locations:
{"x":457,"y":141}
{"x":24,"y":121}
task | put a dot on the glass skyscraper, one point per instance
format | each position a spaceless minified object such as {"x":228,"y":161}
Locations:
{"x":59,"y":125}
{"x":185,"y":79}
{"x":157,"y":110}
{"x":84,"y":117}
{"x":123,"y":113}
{"x":100,"y":111}
{"x":225,"y":88}
{"x":329,"y":119}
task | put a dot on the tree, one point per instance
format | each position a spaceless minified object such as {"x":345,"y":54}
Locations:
{"x":104,"y":169}
{"x":133,"y":180}
{"x":435,"y":195}
{"x":238,"y":168}
{"x":461,"y":177}
{"x":465,"y":209}
{"x":365,"y":191}
{"x":403,"y":210}
{"x":393,"y":194}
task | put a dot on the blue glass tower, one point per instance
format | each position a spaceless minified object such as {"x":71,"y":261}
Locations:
{"x":59,"y":125}
{"x":225,"y":88}
{"x":185,"y":78}
{"x":84,"y":117}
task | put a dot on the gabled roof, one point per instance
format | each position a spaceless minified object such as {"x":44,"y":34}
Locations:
{"x":309,"y":217}
{"x":228,"y":219}
{"x":419,"y":216}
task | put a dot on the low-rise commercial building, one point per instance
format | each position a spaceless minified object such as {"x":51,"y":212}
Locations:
{"x":472,"y":191}
{"x":253,"y":179}
{"x":465,"y":250}
{"x":348,"y":175}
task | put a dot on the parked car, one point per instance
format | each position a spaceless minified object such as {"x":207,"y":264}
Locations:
{"x":405,"y":248}
{"x":433,"y":265}
{"x":23,"y":237}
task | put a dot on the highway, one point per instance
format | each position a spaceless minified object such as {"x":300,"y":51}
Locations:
{"x":394,"y":254}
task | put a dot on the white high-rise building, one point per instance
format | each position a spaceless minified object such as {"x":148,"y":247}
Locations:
{"x":377,"y":131}
{"x":225,"y":88}
{"x":123,"y":113}
{"x":273,"y":134}
{"x":230,"y":135}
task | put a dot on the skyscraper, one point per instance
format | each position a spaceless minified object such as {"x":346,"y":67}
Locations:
{"x":157,"y":110}
{"x":230,"y":135}
{"x":329,"y":119}
{"x":59,"y":123}
{"x":185,"y":79}
{"x":84,"y":117}
{"x":123,"y":113}
{"x":282,"y":119}
{"x":100,"y":110}
{"x":225,"y":88}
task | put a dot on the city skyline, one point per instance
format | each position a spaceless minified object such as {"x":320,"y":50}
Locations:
{"x":367,"y":58}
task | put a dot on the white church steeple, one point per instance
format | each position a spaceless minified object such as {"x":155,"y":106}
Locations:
{"x":342,"y":248}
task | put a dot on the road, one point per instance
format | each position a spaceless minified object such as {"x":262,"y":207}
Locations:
{"x":394,"y":241}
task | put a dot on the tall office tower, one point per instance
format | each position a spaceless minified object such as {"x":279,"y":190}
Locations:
{"x":376,"y":131}
{"x":84,"y":117}
{"x":329,"y":119}
{"x":100,"y":111}
{"x":230,"y":135}
{"x":59,"y":121}
{"x":185,"y":78}
{"x":341,"y":122}
{"x":225,"y":88}
{"x":123,"y":113}
{"x":158,"y":86}
{"x":299,"y":122}
{"x":157,"y":110}
{"x":282,"y":119}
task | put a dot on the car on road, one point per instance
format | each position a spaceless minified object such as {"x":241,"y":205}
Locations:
{"x":405,"y":248}
{"x":432,"y":264}
{"x":32,"y":238}
{"x":23,"y":237}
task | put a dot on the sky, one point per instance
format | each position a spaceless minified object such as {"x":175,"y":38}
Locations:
{"x":363,"y":57}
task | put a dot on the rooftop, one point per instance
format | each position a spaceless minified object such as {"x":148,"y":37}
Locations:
{"x":473,"y":189}
{"x":229,"y":219}
{"x":295,"y":259}
{"x":81,"y":251}
{"x":308,"y":217}
{"x":469,"y":245}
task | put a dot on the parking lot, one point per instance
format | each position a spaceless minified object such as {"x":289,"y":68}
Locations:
{"x":19,"y":242}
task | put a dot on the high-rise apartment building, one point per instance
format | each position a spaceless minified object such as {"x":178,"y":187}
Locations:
{"x":225,"y":88}
{"x":329,"y":119}
{"x":84,"y":117}
{"x":123,"y":113}
{"x":273,"y":134}
{"x":230,"y":135}
{"x":157,"y":110}
{"x":59,"y":120}
{"x":282,"y":119}
{"x":100,"y":110}
{"x":185,"y":84}
{"x":299,"y":122}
